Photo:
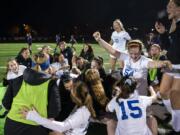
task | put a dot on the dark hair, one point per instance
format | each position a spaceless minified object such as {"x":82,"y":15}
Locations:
{"x":66,"y":77}
{"x":81,"y":96}
{"x":22,"y":50}
{"x":39,"y":54}
{"x":127,"y":86}
{"x":99,"y":60}
{"x":79,"y":58}
{"x":89,"y":47}
{"x":56,"y":57}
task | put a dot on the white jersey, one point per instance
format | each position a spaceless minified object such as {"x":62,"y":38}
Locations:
{"x":76,"y":124}
{"x":119,"y":40}
{"x":131,"y":114}
{"x":138,"y":70}
{"x":12,"y":75}
{"x":58,"y":65}
{"x":175,"y":115}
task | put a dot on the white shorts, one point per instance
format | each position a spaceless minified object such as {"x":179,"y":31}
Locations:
{"x":175,"y":75}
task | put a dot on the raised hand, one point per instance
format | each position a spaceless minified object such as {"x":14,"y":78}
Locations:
{"x":97,"y":36}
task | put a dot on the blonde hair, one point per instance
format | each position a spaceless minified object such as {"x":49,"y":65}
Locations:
{"x":93,"y":78}
{"x":7,"y":65}
{"x":81,"y":96}
{"x":156,"y":45}
{"x":118,"y":21}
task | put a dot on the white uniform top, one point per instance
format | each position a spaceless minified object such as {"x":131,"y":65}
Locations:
{"x":119,"y":40}
{"x":138,"y":70}
{"x":131,"y":114}
{"x":175,"y":115}
{"x":12,"y":75}
{"x":76,"y":124}
{"x":58,"y":65}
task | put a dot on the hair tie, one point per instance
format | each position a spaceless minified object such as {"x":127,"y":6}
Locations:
{"x":128,"y":81}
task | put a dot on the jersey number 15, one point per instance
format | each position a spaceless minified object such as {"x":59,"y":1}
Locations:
{"x":136,"y":111}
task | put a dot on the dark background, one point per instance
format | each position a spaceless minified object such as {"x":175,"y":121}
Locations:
{"x":78,"y":17}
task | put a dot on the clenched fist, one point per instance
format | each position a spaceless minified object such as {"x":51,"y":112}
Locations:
{"x":97,"y":36}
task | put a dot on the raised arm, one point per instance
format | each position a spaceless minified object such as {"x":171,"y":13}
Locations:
{"x":105,"y":45}
{"x":153,"y":94}
{"x":160,"y":64}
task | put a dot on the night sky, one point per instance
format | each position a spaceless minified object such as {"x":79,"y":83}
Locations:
{"x":48,"y":17}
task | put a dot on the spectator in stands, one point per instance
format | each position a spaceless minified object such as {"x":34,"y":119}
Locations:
{"x":87,"y":52}
{"x":23,"y":58}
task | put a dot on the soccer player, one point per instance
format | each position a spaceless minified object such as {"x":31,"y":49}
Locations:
{"x":130,"y":108}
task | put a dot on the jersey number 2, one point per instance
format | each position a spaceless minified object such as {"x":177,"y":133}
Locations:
{"x":136,"y":111}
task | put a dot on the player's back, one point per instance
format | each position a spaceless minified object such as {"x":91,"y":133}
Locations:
{"x":131,"y":114}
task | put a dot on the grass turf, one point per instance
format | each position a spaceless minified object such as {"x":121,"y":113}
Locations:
{"x":10,"y":50}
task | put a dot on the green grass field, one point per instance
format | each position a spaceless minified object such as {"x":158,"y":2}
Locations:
{"x":10,"y":50}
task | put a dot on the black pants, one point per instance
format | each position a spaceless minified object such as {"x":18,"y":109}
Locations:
{"x":16,"y":128}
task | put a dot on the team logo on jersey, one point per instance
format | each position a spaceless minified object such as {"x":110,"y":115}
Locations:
{"x":116,"y":40}
{"x":128,"y":71}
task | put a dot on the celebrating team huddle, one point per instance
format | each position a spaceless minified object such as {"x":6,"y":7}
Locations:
{"x":65,"y":93}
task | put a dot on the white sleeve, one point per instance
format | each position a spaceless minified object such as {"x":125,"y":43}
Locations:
{"x":126,"y":36}
{"x":147,"y":101}
{"x":78,"y":118}
{"x":145,"y":61}
{"x":81,"y":116}
{"x":167,"y":103}
{"x":111,"y":105}
{"x":124,"y":56}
